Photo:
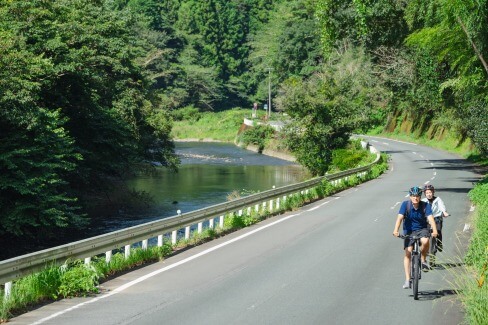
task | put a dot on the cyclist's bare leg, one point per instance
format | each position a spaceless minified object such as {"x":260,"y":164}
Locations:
{"x":406,"y":262}
{"x":424,"y":249}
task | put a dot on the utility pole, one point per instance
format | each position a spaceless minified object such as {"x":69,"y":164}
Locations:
{"x":269,"y":92}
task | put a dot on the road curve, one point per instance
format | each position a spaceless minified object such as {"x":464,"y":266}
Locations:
{"x":332,"y":262}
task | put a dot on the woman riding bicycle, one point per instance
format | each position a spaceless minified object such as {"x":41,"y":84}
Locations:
{"x":439,"y":212}
{"x":415,"y":215}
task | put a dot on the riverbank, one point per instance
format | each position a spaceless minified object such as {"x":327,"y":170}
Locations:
{"x":266,"y":152}
{"x":271,"y":153}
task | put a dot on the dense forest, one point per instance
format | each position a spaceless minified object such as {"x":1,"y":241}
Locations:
{"x":89,"y":88}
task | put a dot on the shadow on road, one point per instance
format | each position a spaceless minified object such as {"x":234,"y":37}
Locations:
{"x":449,"y":164}
{"x":435,"y":294}
{"x":389,"y":152}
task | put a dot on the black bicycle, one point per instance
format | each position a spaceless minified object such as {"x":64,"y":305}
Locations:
{"x":415,"y":264}
{"x":436,"y":243}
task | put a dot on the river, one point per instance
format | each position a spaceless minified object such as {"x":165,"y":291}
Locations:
{"x":209,"y":172}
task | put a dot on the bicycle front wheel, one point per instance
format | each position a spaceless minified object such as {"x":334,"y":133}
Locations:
{"x":415,"y":276}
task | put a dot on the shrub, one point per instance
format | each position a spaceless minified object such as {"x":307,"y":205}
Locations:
{"x":350,"y":157}
{"x":234,"y":221}
{"x":78,"y":280}
{"x":188,"y":113}
{"x":258,"y":135}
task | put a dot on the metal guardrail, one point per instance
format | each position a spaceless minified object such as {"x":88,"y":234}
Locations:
{"x":21,"y":266}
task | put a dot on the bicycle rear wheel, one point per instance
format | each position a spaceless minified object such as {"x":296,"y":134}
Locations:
{"x":433,"y":250}
{"x":433,"y":245}
{"x":415,"y":275}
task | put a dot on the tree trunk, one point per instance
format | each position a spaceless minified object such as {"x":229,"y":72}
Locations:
{"x":478,"y":53}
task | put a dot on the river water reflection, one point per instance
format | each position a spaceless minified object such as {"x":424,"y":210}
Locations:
{"x":208,"y":174}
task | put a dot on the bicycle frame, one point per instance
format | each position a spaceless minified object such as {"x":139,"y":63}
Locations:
{"x":415,"y":264}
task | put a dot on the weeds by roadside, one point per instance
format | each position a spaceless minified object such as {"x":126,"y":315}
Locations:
{"x":472,"y":283}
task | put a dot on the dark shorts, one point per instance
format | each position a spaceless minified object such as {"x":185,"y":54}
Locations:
{"x":422,"y":233}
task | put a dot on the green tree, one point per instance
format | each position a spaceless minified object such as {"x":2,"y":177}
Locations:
{"x":36,"y":153}
{"x":369,"y":23}
{"x":287,"y":45}
{"x":327,"y":107}
{"x":75,"y":105}
{"x":455,"y":34}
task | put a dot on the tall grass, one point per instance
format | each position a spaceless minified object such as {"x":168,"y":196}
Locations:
{"x":473,"y":286}
{"x":217,"y":126}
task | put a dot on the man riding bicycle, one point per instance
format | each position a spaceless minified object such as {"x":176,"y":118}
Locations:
{"x":415,"y":215}
{"x":439,"y":212}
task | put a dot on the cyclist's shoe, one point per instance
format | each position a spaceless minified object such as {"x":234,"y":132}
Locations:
{"x":425,"y":267}
{"x":406,"y":285}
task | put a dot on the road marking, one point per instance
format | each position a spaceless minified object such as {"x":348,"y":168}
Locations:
{"x":432,"y":178}
{"x":414,"y":152}
{"x":432,"y":164}
{"x":471,"y":209}
{"x":467,"y":226}
{"x":405,"y":142}
{"x":435,"y":173}
{"x":393,"y":207}
{"x":386,"y":144}
{"x":161,"y":270}
{"x":318,"y":206}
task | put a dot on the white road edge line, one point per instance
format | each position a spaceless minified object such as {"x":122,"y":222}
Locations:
{"x":410,"y":143}
{"x":318,"y":206}
{"x":169,"y":267}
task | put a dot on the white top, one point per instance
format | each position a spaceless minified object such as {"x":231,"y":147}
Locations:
{"x":437,"y":206}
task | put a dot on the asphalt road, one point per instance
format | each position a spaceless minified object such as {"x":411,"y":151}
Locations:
{"x":332,"y":262}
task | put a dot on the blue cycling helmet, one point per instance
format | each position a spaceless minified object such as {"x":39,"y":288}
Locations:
{"x":415,"y":191}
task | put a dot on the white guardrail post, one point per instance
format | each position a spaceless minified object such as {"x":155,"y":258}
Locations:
{"x":18,"y":267}
{"x":8,"y":289}
{"x":108,"y":256}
